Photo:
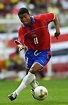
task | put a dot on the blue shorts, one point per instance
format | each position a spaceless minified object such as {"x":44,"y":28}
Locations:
{"x":34,"y":56}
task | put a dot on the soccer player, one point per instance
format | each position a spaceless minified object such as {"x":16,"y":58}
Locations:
{"x":33,"y":34}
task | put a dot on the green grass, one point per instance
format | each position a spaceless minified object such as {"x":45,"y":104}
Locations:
{"x":57,"y":93}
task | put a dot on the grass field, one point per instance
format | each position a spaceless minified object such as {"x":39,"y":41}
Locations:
{"x":57,"y":88}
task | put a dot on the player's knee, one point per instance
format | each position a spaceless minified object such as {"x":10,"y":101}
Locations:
{"x":35,"y":67}
{"x":33,"y":70}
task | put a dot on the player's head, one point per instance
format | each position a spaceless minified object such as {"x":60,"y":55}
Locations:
{"x":24,"y":16}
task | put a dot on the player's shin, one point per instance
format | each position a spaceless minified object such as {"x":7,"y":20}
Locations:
{"x":26,"y":81}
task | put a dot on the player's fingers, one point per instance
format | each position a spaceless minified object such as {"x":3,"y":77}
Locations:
{"x":20,"y":49}
{"x":57,"y":37}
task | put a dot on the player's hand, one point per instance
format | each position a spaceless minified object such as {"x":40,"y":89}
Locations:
{"x":20,"y":46}
{"x":57,"y":35}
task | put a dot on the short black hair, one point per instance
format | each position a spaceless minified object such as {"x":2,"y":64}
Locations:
{"x":22,"y":11}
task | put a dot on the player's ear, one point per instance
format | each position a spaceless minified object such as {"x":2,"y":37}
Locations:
{"x":29,"y":14}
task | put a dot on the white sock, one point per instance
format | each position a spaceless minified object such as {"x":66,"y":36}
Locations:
{"x":34,"y":83}
{"x":26,"y":80}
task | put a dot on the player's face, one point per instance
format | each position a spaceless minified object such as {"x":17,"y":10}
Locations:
{"x":25,"y":19}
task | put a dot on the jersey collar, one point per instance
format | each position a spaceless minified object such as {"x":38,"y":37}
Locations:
{"x":32,"y":21}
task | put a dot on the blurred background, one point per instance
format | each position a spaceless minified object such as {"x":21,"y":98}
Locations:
{"x":12,"y":62}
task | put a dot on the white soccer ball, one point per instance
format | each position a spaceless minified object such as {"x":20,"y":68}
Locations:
{"x":40,"y":93}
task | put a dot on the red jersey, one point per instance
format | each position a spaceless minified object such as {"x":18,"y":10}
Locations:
{"x":36,"y":36}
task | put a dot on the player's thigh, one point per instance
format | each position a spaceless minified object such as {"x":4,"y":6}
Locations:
{"x":35,"y":67}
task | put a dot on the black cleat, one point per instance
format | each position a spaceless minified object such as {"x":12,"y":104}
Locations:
{"x":32,"y":92}
{"x":12,"y":96}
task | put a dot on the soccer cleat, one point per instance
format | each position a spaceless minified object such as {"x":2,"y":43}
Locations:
{"x":32,"y":92}
{"x":12,"y":96}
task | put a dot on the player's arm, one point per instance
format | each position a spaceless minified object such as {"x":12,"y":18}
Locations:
{"x":57,"y":26}
{"x":19,"y":45}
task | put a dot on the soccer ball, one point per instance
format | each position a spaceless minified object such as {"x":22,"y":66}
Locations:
{"x":40,"y":93}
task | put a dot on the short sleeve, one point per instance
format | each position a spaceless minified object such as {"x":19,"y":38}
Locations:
{"x":20,"y":35}
{"x":47,"y":17}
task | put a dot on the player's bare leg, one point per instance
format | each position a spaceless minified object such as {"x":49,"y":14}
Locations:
{"x":28,"y":79}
